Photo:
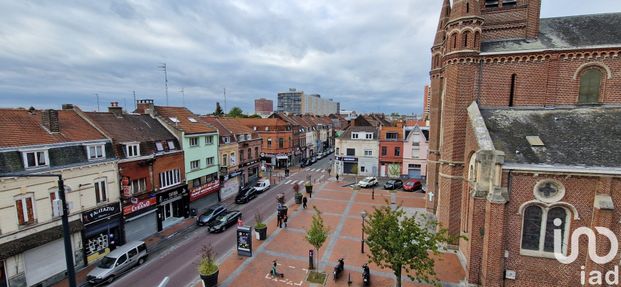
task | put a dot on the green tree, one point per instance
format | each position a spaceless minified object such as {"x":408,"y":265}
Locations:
{"x":317,"y":233}
{"x":405,"y":243}
{"x":236,"y":112}
{"x":218,"y":111}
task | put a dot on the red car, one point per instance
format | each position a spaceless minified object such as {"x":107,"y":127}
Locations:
{"x":412,"y":185}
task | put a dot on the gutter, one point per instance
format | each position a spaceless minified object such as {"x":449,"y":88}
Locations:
{"x":562,"y":168}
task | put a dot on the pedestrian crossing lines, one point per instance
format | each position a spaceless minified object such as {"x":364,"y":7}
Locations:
{"x":290,"y":181}
{"x":314,"y":169}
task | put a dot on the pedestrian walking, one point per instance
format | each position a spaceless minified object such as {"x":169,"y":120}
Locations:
{"x":279,"y":220}
{"x":285,"y":220}
{"x":337,"y":177}
{"x":304,"y":202}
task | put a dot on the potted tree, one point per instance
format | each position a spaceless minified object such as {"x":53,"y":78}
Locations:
{"x":207,"y":267}
{"x":298,"y":194}
{"x":260,"y":227}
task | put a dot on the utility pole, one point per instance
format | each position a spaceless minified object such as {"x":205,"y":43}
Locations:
{"x":163,"y":67}
{"x":182,"y":96}
{"x":97,"y":95}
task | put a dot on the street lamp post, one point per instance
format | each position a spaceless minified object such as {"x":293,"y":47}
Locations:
{"x":363,"y":214}
{"x":64,"y":220}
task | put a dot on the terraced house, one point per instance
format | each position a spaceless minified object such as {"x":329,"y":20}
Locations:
{"x":38,"y":142}
{"x":199,"y":142}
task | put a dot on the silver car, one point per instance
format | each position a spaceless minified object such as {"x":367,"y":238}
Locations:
{"x":118,"y":261}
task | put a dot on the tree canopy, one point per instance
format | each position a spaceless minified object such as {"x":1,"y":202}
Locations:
{"x":236,"y":112}
{"x":218,"y":111}
{"x":400,"y":242}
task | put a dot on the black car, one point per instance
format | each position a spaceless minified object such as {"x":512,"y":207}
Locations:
{"x":246,"y":194}
{"x":393,"y":184}
{"x":222,"y":222}
{"x":209,"y":215}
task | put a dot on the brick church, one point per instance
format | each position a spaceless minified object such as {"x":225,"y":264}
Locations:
{"x":525,"y":139}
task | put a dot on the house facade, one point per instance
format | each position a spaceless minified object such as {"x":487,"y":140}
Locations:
{"x":356,"y":151}
{"x":415,"y":149}
{"x":277,"y":141}
{"x":391,"y":150}
{"x":43,"y":142}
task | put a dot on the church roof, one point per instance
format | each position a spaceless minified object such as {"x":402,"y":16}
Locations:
{"x":588,"y":136}
{"x":583,"y":31}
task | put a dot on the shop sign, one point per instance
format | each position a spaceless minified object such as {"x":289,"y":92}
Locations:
{"x":125,"y":187}
{"x":250,"y":163}
{"x":349,"y":158}
{"x":139,"y":205}
{"x":171,"y":195}
{"x":101,"y":212}
{"x":204,"y":189}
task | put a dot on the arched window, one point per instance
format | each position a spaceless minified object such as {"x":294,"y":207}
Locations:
{"x":477,"y":39}
{"x":454,"y":40}
{"x":590,"y":84}
{"x":539,"y":225}
{"x":465,"y":38}
{"x":512,"y":91}
{"x":467,"y":7}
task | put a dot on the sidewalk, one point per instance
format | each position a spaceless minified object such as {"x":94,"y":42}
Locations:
{"x":340,"y":206}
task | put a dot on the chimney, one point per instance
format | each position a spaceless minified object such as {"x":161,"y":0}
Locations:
{"x":115,"y":109}
{"x":49,"y":120}
{"x":144,"y":106}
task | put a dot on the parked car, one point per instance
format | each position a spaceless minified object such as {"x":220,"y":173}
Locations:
{"x":412,"y":185}
{"x":209,"y":215}
{"x":393,"y":184}
{"x":369,"y":181}
{"x":262,"y":186}
{"x":223,"y":221}
{"x":118,"y":261}
{"x":246,"y":194}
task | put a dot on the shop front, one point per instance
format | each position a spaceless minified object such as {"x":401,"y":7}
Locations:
{"x":230,"y":185}
{"x":282,"y":160}
{"x":140,"y":218}
{"x":249,"y":173}
{"x":205,"y":195}
{"x":350,"y":164}
{"x":173,"y":205}
{"x":102,"y":231}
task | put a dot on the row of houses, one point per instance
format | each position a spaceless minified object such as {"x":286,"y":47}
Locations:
{"x":126,"y":175}
{"x":373,"y":146}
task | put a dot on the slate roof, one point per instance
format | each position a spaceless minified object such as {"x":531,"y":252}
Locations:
{"x":184,"y":123}
{"x":131,"y":127}
{"x":20,"y":127}
{"x":566,"y":33}
{"x":576,"y":137}
{"x":346,"y":135}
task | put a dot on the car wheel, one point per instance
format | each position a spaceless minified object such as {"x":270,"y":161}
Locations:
{"x":141,"y":261}
{"x":110,"y":279}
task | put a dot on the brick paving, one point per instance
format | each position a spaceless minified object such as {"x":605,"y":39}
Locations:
{"x":340,"y":206}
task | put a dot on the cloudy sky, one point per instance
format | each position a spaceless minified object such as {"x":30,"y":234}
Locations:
{"x":370,"y":55}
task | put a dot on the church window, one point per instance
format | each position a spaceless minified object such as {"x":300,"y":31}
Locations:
{"x":477,"y":39}
{"x":590,"y":84}
{"x":454,"y":40}
{"x":512,"y":91}
{"x":538,"y":228}
{"x":465,"y":38}
{"x":467,"y":7}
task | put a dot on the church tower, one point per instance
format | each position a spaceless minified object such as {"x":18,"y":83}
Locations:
{"x":453,"y":77}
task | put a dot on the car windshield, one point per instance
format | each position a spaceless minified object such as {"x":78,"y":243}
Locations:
{"x":409,"y":183}
{"x":106,"y":262}
{"x":208,"y":212}
{"x":221,"y":219}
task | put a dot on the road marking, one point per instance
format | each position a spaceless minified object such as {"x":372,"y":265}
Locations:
{"x":288,"y":182}
{"x":321,"y":176}
{"x":291,"y":266}
{"x":301,"y":182}
{"x":307,"y":169}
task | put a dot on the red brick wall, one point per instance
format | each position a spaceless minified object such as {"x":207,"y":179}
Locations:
{"x":135,"y":170}
{"x":167,"y":162}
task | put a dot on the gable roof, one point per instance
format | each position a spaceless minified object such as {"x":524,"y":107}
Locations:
{"x":184,"y":122}
{"x":370,"y":129}
{"x":20,"y":127}
{"x":130,"y":127}
{"x":574,"y":137}
{"x":582,"y":31}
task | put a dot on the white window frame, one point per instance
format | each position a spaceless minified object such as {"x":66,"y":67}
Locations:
{"x":208,"y":159}
{"x":368,"y":152}
{"x":208,"y":140}
{"x":137,"y":182}
{"x":193,"y":139}
{"x":225,"y":159}
{"x":369,"y":136}
{"x":22,"y":198}
{"x":35,"y":151}
{"x":354,"y":135}
{"x":195,"y":164}
{"x":542,"y":232}
{"x":169,"y":178}
{"x":226,"y":140}
{"x":132,"y":149}
{"x":97,"y":156}
{"x":101,"y":182}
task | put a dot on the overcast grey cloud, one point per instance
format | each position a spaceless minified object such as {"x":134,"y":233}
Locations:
{"x":370,"y":55}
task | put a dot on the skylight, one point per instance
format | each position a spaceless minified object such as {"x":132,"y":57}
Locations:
{"x":174,"y":120}
{"x":192,"y":119}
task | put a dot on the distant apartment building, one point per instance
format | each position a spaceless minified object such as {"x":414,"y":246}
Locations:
{"x":263,"y":106}
{"x":296,"y":102}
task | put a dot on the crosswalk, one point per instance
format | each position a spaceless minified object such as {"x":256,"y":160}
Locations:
{"x":314,"y":169}
{"x":293,"y":181}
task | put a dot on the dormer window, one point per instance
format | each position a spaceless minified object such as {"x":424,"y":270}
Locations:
{"x":159,"y":146}
{"x":226,"y":140}
{"x":369,"y":136}
{"x":34,"y":159}
{"x":354,"y":135}
{"x":132,"y":150}
{"x":171,"y":145}
{"x":248,"y":137}
{"x":95,"y":152}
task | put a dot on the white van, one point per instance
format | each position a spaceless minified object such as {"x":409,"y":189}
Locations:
{"x":262,"y":185}
{"x":118,"y":261}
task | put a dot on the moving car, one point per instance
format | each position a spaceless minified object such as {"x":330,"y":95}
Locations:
{"x":393,"y":184}
{"x":412,"y":185}
{"x":368,"y":182}
{"x":209,"y":215}
{"x":118,"y":261}
{"x":262,"y":186}
{"x":246,"y":194}
{"x":223,"y":221}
